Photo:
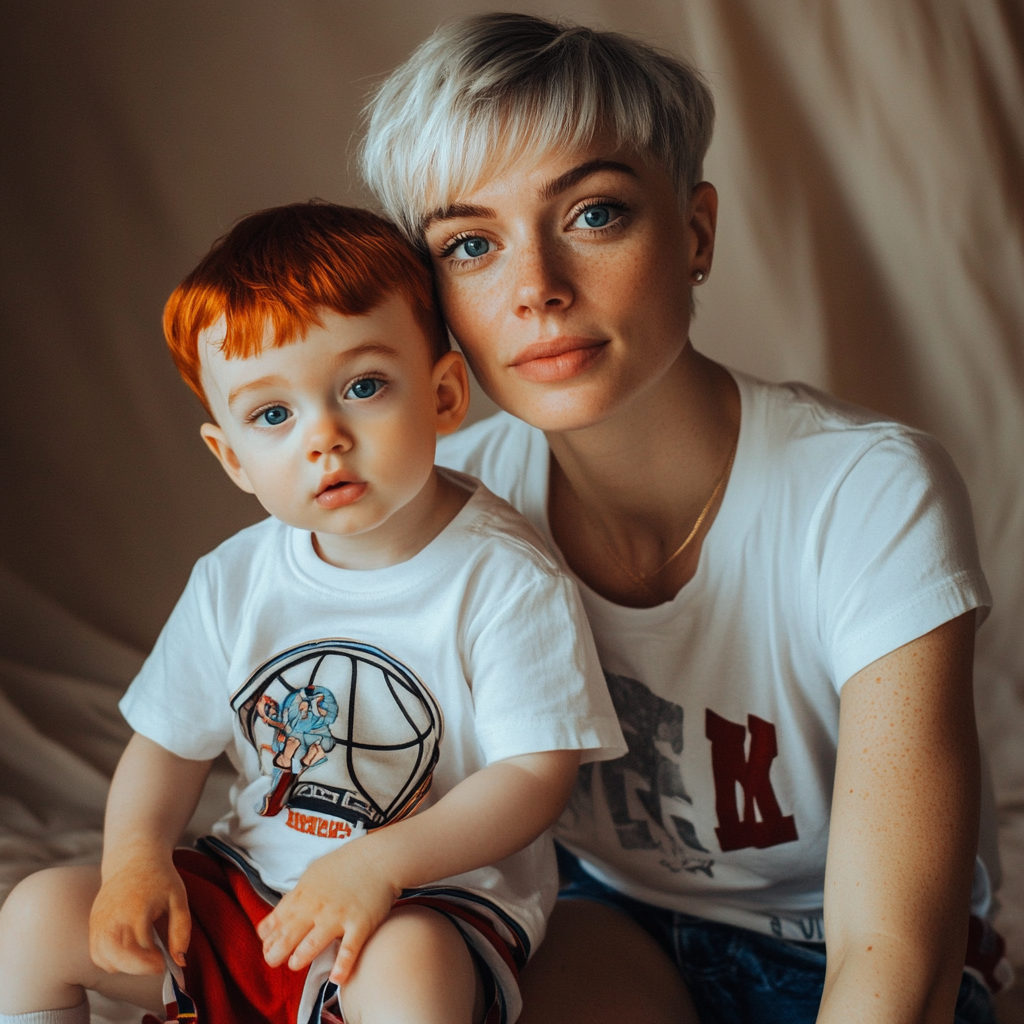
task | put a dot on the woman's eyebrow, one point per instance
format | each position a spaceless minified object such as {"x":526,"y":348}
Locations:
{"x":459,"y":210}
{"x":546,"y":191}
{"x":577,"y":174}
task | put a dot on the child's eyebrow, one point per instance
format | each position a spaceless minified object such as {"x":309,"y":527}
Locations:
{"x":366,"y":348}
{"x":273,"y":380}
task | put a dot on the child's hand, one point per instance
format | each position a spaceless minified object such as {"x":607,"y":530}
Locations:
{"x":140,"y":892}
{"x":345,"y":894}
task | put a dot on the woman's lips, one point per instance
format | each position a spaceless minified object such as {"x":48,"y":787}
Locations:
{"x":559,"y":359}
{"x":340,"y":494}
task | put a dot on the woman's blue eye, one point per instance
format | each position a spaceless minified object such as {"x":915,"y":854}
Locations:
{"x":470,"y":248}
{"x":275,"y":415}
{"x":596,"y":216}
{"x":365,"y":388}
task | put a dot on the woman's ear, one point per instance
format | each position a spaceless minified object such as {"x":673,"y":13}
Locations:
{"x":217,"y":442}
{"x":703,"y":218}
{"x":451,"y":391}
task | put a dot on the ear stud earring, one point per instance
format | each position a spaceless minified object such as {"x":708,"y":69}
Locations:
{"x":698,"y":276}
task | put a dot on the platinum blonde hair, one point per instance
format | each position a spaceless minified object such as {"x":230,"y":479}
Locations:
{"x":483,"y":91}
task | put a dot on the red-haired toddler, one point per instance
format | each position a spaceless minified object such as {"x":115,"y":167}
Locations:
{"x":404,"y":681}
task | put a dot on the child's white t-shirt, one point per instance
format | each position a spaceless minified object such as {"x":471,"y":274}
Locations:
{"x":347,"y":699}
{"x":841,"y":536}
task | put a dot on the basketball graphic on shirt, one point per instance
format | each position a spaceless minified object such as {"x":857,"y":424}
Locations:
{"x":347,"y":735}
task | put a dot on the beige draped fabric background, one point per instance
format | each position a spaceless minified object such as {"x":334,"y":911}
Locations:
{"x":870,"y":160}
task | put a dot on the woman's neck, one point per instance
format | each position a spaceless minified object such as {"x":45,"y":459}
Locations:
{"x":626,"y":492}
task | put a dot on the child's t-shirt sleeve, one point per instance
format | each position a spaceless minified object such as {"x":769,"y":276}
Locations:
{"x":535,"y":677}
{"x":178,"y":699}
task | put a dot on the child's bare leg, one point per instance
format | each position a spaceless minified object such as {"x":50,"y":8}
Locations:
{"x":415,"y":969}
{"x":44,"y":947}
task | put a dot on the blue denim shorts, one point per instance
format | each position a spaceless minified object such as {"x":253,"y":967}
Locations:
{"x":738,"y":976}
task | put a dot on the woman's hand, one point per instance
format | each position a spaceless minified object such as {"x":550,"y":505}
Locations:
{"x":141,"y":890}
{"x":344,"y":895}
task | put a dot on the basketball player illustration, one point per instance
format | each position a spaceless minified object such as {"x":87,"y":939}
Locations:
{"x":303,"y":726}
{"x":385,"y":745}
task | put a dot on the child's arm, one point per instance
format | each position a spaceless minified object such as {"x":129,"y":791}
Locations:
{"x":152,"y":796}
{"x":348,"y":893}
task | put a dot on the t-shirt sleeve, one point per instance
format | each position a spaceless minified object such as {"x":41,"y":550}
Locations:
{"x":179,"y":698}
{"x":895,"y":552}
{"x":536,"y":680}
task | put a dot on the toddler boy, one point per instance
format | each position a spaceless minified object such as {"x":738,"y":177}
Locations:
{"x":389,"y":658}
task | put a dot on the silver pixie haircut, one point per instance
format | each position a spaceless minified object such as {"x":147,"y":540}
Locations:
{"x":483,"y":91}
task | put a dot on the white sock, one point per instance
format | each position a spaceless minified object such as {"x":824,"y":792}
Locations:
{"x":73,"y":1015}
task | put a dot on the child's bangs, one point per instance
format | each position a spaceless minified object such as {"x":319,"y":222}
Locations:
{"x":252,"y":322}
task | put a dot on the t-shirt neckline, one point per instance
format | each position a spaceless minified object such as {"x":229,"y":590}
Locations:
{"x":733,"y":518}
{"x":420,"y":568}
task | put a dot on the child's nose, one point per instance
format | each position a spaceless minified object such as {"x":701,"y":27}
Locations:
{"x":327,"y":435}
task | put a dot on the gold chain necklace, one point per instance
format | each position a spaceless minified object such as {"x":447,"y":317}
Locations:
{"x":643,"y":579}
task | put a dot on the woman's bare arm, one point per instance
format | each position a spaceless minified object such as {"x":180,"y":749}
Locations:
{"x":904,"y":833}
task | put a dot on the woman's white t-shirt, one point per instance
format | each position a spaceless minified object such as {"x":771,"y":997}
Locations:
{"x":841,"y":536}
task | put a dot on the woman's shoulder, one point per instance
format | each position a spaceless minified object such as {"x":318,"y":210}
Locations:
{"x":802,"y":430}
{"x":794,"y":409}
{"x":508,"y":455}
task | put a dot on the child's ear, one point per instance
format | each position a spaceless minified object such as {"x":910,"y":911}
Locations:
{"x":451,"y":388}
{"x":218,"y":444}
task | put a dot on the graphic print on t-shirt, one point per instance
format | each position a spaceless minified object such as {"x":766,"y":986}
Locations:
{"x":646,"y":778}
{"x":763,"y":823}
{"x":347,"y":734}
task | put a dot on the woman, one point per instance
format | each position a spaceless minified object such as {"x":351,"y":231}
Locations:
{"x":783,"y":588}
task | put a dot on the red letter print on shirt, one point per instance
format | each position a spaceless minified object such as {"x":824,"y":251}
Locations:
{"x":730,"y":765}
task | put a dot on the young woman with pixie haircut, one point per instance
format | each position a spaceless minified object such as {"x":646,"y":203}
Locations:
{"x":784,"y":589}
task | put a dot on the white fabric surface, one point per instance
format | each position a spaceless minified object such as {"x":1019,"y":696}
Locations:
{"x":870,"y":162}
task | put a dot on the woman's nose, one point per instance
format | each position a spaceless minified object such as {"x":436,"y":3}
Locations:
{"x":328,"y":434}
{"x":542,"y":284}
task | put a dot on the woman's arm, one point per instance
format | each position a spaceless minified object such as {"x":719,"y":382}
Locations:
{"x":904,"y":834}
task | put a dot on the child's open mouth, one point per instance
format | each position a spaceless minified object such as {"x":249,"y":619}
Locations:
{"x":344,"y":492}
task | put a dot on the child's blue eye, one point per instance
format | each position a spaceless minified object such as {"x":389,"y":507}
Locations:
{"x":365,"y":388}
{"x":275,"y":415}
{"x":471,"y":248}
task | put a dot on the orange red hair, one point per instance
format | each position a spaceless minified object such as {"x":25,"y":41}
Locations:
{"x":280,"y":268}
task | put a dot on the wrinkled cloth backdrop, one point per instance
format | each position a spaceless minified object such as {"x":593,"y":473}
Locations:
{"x":870,"y":161}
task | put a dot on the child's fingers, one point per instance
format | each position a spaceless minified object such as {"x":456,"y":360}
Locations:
{"x":120,"y":952}
{"x":267,"y":926}
{"x":144,"y":950}
{"x":179,"y":927}
{"x":281,"y":941}
{"x":352,"y":943}
{"x":312,"y":945}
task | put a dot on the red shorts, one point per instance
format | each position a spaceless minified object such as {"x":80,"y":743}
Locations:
{"x":227,"y":981}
